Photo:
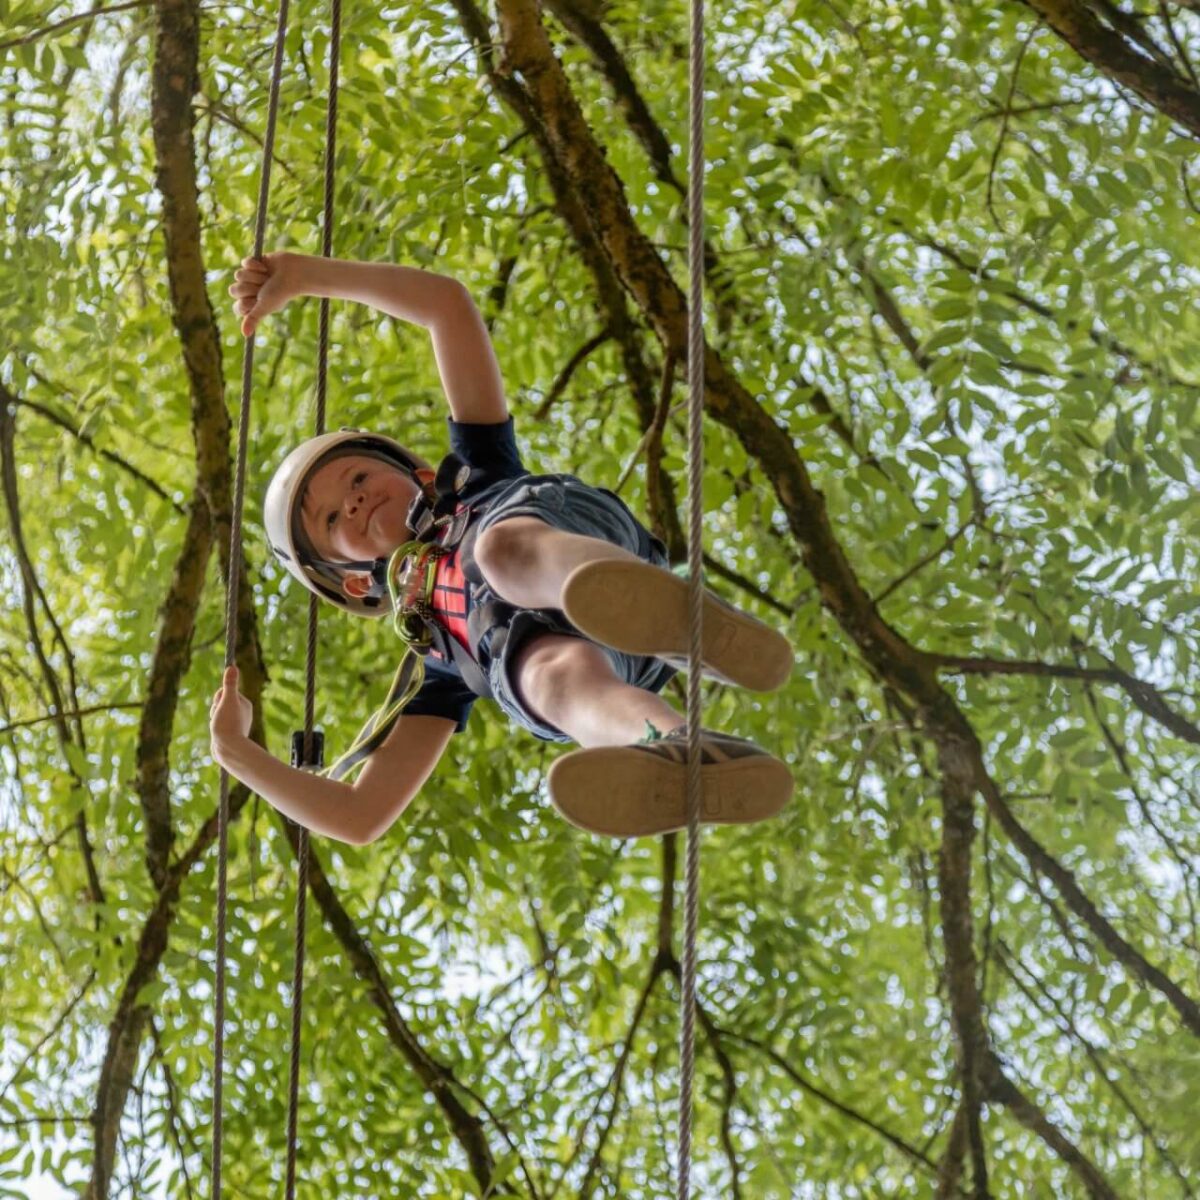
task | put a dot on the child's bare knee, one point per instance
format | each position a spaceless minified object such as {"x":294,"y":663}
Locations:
{"x":551,"y":668}
{"x":507,"y":544}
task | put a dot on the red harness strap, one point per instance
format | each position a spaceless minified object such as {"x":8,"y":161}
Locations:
{"x":450,"y":599}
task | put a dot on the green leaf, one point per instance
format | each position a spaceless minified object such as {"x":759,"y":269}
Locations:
{"x":1169,"y":463}
{"x":948,"y":335}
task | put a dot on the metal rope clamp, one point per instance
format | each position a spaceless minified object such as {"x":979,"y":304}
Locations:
{"x":318,"y":750}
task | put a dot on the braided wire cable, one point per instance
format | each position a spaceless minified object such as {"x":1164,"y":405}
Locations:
{"x":310,"y":675}
{"x":231,"y":607}
{"x":297,"y":993}
{"x":695,"y":785}
{"x":331,"y":111}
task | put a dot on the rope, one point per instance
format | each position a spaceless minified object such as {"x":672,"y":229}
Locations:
{"x":695,"y":785}
{"x":310,"y":676}
{"x":231,"y":623}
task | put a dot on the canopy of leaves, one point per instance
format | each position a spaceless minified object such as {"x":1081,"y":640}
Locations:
{"x":956,"y":264}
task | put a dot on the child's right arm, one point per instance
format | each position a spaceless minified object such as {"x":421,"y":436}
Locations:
{"x":462,"y":346}
{"x":357,"y":812}
{"x":263,"y":286}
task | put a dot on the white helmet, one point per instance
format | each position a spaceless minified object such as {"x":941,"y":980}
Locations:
{"x":281,"y":510}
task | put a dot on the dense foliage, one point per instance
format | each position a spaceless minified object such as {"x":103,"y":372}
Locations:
{"x":955,"y":263}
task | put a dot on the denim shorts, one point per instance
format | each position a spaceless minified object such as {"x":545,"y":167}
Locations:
{"x":573,"y":506}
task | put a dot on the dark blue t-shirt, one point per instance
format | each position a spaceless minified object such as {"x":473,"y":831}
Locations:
{"x":491,"y":450}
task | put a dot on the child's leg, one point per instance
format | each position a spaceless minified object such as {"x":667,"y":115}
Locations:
{"x":613,"y":786}
{"x":569,"y":683}
{"x":525,"y":561}
{"x":626,"y":603}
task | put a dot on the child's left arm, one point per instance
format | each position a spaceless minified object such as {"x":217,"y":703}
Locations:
{"x":356,"y":813}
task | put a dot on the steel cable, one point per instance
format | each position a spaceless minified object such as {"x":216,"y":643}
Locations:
{"x":695,"y":781}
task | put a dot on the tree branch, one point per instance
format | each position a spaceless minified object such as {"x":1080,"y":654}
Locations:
{"x":435,"y":1076}
{"x":626,"y":332}
{"x":564,"y":376}
{"x":67,"y":22}
{"x":128,"y":1022}
{"x":1146,"y":696}
{"x":86,"y":438}
{"x":1064,"y":880}
{"x":613,"y":1085}
{"x":1014,"y":968}
{"x":1002,"y":1089}
{"x":901,"y":666}
{"x":1158,"y":83}
{"x":69,"y":738}
{"x":612,"y":65}
{"x":949,"y":1169}
{"x":174,"y":80}
{"x":73,"y":715}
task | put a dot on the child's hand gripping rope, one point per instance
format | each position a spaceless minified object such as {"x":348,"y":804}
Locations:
{"x":229,"y":716}
{"x":261,"y":286}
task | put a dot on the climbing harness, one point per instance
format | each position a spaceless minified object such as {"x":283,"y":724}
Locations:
{"x":424,"y":620}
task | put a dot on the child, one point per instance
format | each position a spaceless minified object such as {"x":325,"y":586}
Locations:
{"x":538,"y":590}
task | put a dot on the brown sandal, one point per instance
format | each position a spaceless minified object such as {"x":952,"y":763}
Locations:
{"x":641,"y":790}
{"x":639,"y":608}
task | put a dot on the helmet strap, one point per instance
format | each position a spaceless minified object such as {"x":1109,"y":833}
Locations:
{"x":336,"y":573}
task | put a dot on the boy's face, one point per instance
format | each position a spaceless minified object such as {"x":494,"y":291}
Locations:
{"x":353,"y":508}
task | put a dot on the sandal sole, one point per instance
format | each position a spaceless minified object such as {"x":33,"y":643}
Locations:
{"x":639,"y":608}
{"x":621,"y":791}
